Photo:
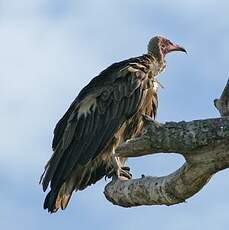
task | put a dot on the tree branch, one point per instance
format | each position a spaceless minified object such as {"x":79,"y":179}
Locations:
{"x":222,"y":104}
{"x":177,"y":137}
{"x":204,"y":145}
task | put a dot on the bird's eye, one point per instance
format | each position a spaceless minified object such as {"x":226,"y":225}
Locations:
{"x":163,"y":46}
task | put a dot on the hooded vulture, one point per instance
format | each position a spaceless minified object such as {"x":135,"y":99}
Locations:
{"x":107,"y":112}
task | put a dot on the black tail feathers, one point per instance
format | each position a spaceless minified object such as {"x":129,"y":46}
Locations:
{"x":56,"y":199}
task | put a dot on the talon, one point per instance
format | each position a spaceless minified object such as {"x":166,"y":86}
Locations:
{"x":125,"y":168}
{"x":124,"y":173}
{"x":109,"y":174}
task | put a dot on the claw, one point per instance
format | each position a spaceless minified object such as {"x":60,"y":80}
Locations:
{"x":109,"y":174}
{"x":119,"y":173}
{"x":126,"y":168}
{"x":124,"y":173}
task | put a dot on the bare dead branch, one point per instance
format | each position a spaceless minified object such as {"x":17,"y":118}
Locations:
{"x":204,"y":145}
{"x":177,"y":137}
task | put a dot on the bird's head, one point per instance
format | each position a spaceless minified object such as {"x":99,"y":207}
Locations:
{"x":159,"y":46}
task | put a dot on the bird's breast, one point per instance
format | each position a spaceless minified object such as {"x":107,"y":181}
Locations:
{"x":133,"y":126}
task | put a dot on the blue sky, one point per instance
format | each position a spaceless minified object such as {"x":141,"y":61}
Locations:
{"x":50,"y":49}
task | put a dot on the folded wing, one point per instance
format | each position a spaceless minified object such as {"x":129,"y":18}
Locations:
{"x":90,"y":123}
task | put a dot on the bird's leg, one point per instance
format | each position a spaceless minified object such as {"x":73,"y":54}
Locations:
{"x":119,"y":170}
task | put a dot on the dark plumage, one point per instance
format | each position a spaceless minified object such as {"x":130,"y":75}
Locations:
{"x":106,"y":113}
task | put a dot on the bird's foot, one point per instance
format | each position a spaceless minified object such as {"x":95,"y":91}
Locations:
{"x":120,"y":173}
{"x":119,"y":170}
{"x":124,"y":172}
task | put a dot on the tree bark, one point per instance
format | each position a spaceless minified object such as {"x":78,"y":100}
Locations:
{"x":204,"y":145}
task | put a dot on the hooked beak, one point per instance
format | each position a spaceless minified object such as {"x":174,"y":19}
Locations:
{"x":174,"y":47}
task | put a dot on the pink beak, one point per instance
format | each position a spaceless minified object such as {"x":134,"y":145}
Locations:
{"x":175,"y":47}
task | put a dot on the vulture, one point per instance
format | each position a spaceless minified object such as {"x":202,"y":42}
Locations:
{"x":107,"y":112}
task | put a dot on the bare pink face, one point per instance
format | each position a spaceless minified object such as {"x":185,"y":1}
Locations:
{"x":167,"y":46}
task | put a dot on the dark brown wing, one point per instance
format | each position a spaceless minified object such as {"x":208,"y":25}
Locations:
{"x":91,"y":121}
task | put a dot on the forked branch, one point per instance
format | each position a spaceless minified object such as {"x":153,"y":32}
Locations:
{"x":204,"y":145}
